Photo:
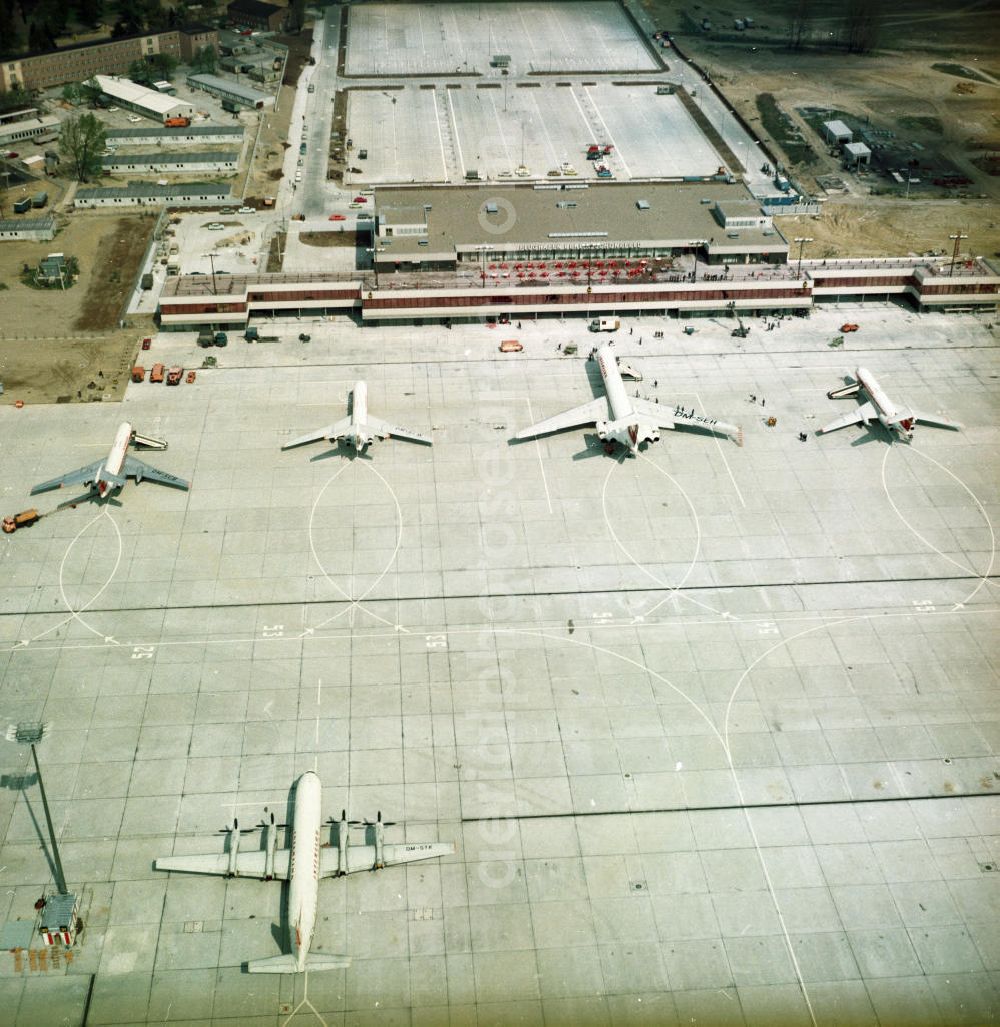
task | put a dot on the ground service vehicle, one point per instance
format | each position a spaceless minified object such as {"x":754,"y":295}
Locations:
{"x":156,"y":374}
{"x":605,"y":324}
{"x":221,"y":339}
{"x":849,"y":328}
{"x":177,"y":123}
{"x":205,"y":340}
{"x":20,"y":520}
{"x":510,"y":346}
{"x":138,"y":373}
{"x":174,"y":375}
{"x":251,"y":333}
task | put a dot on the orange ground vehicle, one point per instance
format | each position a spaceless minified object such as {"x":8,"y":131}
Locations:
{"x":848,"y":328}
{"x":156,"y":374}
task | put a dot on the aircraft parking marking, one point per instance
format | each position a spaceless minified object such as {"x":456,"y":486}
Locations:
{"x":984,"y":578}
{"x":355,"y":604}
{"x":75,"y":614}
{"x":675,"y":590}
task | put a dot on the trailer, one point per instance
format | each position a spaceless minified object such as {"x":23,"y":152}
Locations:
{"x":605,"y":324}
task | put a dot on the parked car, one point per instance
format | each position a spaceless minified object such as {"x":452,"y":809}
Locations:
{"x":112,"y":110}
{"x":215,"y":226}
{"x":337,"y":217}
{"x":134,"y":118}
{"x":365,"y":217}
{"x":10,"y":155}
{"x":360,"y":199}
{"x":247,"y":210}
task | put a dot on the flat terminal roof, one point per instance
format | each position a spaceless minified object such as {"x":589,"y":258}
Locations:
{"x":837,"y":128}
{"x":857,"y":150}
{"x":178,"y":157}
{"x":234,"y":88}
{"x":604,"y":213}
{"x":142,"y":96}
{"x":165,"y":133}
{"x":237,"y":285}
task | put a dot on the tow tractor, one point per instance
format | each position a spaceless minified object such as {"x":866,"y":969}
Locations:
{"x":20,"y":520}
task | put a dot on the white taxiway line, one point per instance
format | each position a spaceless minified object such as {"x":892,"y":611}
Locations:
{"x":718,"y":443}
{"x":541,"y":464}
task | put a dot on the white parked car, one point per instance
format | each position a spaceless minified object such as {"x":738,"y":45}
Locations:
{"x":134,"y":118}
{"x":247,"y":210}
{"x":298,"y":176}
{"x":112,"y":110}
{"x":215,"y":226}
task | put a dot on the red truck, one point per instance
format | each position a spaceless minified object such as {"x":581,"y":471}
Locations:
{"x":156,"y":374}
{"x":138,"y":373}
{"x":177,"y":122}
{"x":174,"y":375}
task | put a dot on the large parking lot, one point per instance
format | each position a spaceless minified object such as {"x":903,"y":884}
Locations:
{"x":422,"y":39}
{"x":414,"y":134}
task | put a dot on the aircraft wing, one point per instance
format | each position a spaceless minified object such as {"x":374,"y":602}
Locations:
{"x":362,"y":857}
{"x":384,"y":430}
{"x":865,"y":412}
{"x":667,"y":417}
{"x":71,"y":478}
{"x":331,"y":431}
{"x":589,"y":413}
{"x":938,"y":422}
{"x":137,"y":469}
{"x":248,"y":863}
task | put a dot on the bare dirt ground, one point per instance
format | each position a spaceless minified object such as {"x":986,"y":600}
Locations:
{"x":271,"y":146}
{"x":54,"y":343}
{"x":896,"y":89}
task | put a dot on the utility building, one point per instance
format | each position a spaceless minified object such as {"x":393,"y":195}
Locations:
{"x":242,"y":96}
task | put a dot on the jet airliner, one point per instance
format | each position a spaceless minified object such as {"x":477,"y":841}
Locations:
{"x":107,"y":476}
{"x":620,"y":418}
{"x":878,"y":407}
{"x":358,"y":429}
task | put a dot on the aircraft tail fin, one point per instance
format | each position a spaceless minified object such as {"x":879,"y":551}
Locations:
{"x":287,"y":964}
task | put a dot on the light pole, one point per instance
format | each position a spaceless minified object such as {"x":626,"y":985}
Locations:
{"x":801,"y":240}
{"x":958,"y":237}
{"x":211,"y":257}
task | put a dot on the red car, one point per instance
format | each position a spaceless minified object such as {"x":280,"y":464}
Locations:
{"x":10,"y":155}
{"x":360,"y":199}
{"x":337,"y":217}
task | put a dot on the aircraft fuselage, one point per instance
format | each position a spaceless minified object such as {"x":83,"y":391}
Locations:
{"x":303,"y":875}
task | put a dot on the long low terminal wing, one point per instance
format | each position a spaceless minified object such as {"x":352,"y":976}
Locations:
{"x":362,"y":857}
{"x":667,"y":417}
{"x":139,"y":470}
{"x":865,"y":412}
{"x":384,"y":430}
{"x":938,"y":422}
{"x":331,"y":431}
{"x":71,"y":478}
{"x":589,"y":413}
{"x":248,"y":864}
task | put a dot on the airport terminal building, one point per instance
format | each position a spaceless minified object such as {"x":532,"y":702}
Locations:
{"x":474,"y":253}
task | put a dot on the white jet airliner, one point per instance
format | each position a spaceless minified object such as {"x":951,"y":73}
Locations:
{"x":302,"y":866}
{"x":878,"y":407}
{"x":108,"y":475}
{"x":358,"y":429}
{"x":620,"y":418}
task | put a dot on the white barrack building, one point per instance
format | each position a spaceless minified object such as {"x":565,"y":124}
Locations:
{"x":143,"y":100}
